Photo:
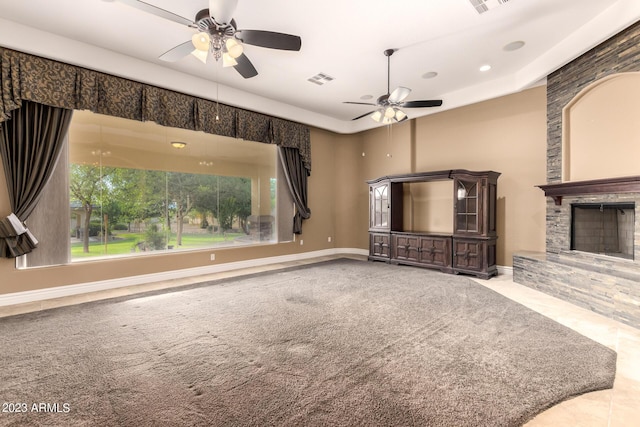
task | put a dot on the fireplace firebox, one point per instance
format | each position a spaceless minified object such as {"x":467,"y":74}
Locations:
{"x":603,"y":228}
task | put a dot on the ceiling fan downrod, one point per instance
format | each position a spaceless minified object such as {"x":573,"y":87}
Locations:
{"x":388,"y":54}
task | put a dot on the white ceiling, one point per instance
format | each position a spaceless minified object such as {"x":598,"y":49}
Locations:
{"x":342,"y":38}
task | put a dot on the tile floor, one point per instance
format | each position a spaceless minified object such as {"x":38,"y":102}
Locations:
{"x":619,"y":407}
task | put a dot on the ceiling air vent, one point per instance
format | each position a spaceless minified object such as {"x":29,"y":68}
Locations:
{"x":320,"y":79}
{"x":482,"y":6}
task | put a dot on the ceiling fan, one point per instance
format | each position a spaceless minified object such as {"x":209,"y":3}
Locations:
{"x":219,"y":36}
{"x":388,"y":106}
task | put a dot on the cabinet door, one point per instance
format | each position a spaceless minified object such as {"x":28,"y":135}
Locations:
{"x":379,"y":245}
{"x":468,"y":255}
{"x":467,"y":207}
{"x":379,"y":206}
{"x":435,"y":251}
{"x":406,"y":248}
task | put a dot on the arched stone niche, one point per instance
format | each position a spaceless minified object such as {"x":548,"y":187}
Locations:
{"x":601,"y":130}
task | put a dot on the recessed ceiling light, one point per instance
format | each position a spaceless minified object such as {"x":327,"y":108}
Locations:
{"x":510,"y":47}
{"x":485,"y":67}
{"x":366,"y":97}
{"x":429,"y":75}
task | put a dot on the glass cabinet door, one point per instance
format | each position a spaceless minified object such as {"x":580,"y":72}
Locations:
{"x":379,"y":216}
{"x":466,"y":206}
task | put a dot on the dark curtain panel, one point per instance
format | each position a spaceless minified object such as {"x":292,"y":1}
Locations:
{"x":30,"y":144}
{"x":297,"y":175}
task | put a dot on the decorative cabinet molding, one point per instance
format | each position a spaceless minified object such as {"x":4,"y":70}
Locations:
{"x":474,"y":256}
{"x":379,"y":246}
{"x":470,"y":249}
{"x":422,"y":250}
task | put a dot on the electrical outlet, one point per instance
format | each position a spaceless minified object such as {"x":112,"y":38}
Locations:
{"x":301,"y":242}
{"x":213,"y":257}
{"x":329,"y":239}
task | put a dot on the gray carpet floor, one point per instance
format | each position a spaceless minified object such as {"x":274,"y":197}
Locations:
{"x":342,"y":343}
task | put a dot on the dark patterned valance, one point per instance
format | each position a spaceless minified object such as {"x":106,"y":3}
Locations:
{"x":49,"y":82}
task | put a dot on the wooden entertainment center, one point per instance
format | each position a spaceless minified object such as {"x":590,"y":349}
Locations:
{"x":470,"y":249}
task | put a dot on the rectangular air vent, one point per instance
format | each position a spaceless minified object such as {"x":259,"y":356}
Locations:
{"x":320,"y":79}
{"x":482,"y":6}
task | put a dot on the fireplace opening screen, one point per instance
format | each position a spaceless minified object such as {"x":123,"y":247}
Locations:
{"x":603,"y":228}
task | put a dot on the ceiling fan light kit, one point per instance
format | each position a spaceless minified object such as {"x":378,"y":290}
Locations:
{"x":228,"y":60}
{"x":201,"y":41}
{"x":234,"y":49}
{"x":201,"y":55}
{"x":389,"y":105}
{"x":400,"y":115}
{"x":389,"y":115}
{"x":377,"y":115}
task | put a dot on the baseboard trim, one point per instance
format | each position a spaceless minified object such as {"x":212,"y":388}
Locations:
{"x":103,"y":285}
{"x":504,"y":270}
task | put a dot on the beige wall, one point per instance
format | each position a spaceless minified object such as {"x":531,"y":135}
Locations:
{"x":428,"y":206}
{"x":506,"y":135}
{"x":601,"y":122}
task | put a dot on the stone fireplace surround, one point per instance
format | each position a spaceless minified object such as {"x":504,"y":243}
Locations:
{"x":606,"y":285}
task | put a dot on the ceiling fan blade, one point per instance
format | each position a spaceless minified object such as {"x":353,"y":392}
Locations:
{"x":245,"y":67}
{"x":178,"y":52}
{"x":155,"y":10}
{"x":364,"y":115}
{"x":270,"y":39}
{"x":358,"y":103}
{"x":222,"y":10}
{"x":399,"y":94}
{"x":420,"y":104}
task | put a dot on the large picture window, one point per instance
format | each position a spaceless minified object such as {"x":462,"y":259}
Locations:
{"x":126,"y":188}
{"x":138,"y":187}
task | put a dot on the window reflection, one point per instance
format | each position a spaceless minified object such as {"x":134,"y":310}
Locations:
{"x":133,"y":190}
